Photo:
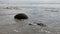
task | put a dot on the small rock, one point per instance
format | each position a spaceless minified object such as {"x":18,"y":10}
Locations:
{"x":30,"y":24}
{"x":41,"y":24}
{"x":21,"y":16}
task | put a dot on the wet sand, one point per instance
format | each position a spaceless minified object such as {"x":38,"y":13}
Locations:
{"x":37,"y":14}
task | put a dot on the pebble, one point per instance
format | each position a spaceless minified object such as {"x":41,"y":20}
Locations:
{"x":41,"y":24}
{"x":30,"y":24}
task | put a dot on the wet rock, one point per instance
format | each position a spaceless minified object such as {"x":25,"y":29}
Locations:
{"x":41,"y":24}
{"x":21,"y":16}
{"x":30,"y":24}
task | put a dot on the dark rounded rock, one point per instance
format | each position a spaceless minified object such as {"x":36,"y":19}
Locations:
{"x":21,"y":16}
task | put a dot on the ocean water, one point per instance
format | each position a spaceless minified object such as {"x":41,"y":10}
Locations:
{"x":30,"y":2}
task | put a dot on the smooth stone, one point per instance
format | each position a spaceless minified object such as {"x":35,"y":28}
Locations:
{"x":21,"y":16}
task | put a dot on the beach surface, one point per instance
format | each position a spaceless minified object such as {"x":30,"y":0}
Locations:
{"x":48,"y":14}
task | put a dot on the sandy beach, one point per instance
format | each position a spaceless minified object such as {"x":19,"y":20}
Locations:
{"x":45,"y":13}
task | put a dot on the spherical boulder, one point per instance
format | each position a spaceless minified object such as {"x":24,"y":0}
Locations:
{"x":21,"y":16}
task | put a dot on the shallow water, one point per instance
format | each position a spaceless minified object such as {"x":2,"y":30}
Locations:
{"x":49,"y":16}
